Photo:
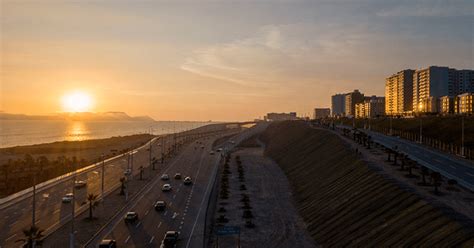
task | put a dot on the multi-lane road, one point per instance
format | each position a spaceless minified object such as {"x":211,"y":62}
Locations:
{"x":16,"y":215}
{"x":186,"y":204}
{"x":448,"y":165}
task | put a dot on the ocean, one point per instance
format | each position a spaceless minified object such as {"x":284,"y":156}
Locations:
{"x":29,"y":132}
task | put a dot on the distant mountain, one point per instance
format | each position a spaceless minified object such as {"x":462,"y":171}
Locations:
{"x":81,"y":116}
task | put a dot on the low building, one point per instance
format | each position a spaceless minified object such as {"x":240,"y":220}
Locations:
{"x":446,"y":105}
{"x":321,"y":113}
{"x":281,"y":116}
{"x":351,"y":100}
{"x":464,"y":103}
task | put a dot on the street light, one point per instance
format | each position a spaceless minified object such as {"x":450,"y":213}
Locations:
{"x":462,"y":135}
{"x":73,"y":202}
{"x":103,"y":177}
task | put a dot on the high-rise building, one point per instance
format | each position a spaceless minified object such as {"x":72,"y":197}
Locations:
{"x":338,"y":105}
{"x":320,"y":113}
{"x":446,"y":105}
{"x":371,"y":107}
{"x":431,"y":83}
{"x":399,"y":93}
{"x":351,"y":100}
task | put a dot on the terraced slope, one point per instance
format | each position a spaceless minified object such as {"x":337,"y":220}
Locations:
{"x":345,"y":203}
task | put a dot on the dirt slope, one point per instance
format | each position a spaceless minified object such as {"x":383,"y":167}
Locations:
{"x":345,"y":203}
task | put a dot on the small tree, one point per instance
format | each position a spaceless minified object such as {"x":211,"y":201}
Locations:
{"x":436,"y":178}
{"x":92,"y":199}
{"x":123,"y":180}
{"x":33,"y":236}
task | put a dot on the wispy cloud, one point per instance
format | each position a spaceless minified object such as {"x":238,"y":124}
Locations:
{"x":430,"y":8}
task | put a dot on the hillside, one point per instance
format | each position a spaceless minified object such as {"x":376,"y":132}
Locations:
{"x":345,"y":203}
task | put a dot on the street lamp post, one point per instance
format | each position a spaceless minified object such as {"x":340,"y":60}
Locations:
{"x":421,"y":130}
{"x":103,"y":177}
{"x":462,"y":135}
{"x":71,"y":235}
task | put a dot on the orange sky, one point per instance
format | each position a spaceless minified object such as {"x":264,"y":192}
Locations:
{"x":175,"y":60}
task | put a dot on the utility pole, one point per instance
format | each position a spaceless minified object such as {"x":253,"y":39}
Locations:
{"x":33,"y":220}
{"x":71,"y":235}
{"x":421,"y":130}
{"x":103,"y":177}
{"x":391,"y":116}
{"x":462,"y":135}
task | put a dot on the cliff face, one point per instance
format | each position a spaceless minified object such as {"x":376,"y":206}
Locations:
{"x":345,"y":203}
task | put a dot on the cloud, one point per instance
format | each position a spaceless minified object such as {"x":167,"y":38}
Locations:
{"x":430,"y":8}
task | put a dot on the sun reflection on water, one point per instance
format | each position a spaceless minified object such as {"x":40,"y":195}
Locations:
{"x":77,"y":131}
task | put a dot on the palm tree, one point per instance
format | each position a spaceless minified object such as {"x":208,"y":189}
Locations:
{"x":92,"y":199}
{"x":436,"y":177}
{"x":123,"y":180}
{"x":33,"y":237}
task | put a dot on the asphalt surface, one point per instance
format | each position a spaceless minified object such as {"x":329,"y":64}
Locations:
{"x":50,"y":211}
{"x":448,"y":165}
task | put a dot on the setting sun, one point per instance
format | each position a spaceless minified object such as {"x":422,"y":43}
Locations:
{"x":76,"y":102}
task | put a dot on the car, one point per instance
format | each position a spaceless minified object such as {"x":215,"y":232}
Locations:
{"x":211,"y":152}
{"x":127,"y":172}
{"x":170,"y":239}
{"x":219,"y":150}
{"x":165,"y":177}
{"x":108,"y":243}
{"x":131,"y":217}
{"x":202,"y":147}
{"x":166,"y":187}
{"x":160,"y":205}
{"x":188,"y":181}
{"x":177,"y":176}
{"x":79,"y":184}
{"x":68,"y":198}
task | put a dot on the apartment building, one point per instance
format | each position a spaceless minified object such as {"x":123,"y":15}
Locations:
{"x":338,"y":105}
{"x":351,"y":99}
{"x":399,"y":93}
{"x":464,"y":103}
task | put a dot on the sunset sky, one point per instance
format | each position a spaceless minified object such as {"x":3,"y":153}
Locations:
{"x":219,"y":60}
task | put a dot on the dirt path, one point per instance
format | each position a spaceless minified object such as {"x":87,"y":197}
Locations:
{"x":277,"y":223}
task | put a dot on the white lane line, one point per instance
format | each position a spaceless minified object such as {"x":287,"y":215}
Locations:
{"x":10,"y":237}
{"x":174,"y":197}
{"x":126,"y":240}
{"x":146,"y":213}
{"x":178,"y":190}
{"x":452,"y":167}
{"x":159,"y":225}
{"x":171,"y":204}
{"x":180,"y":227}
{"x":151,"y":240}
{"x":165,"y":212}
{"x":138,"y":224}
{"x":174,"y":215}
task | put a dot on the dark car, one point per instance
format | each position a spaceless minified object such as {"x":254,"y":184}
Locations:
{"x":170,"y":240}
{"x":131,"y":217}
{"x":108,"y":243}
{"x":160,"y":205}
{"x":177,"y":176}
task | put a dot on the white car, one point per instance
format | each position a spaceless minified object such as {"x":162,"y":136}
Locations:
{"x":165,"y":177}
{"x":79,"y":184}
{"x":68,"y":198}
{"x":219,"y":150}
{"x":187,"y":181}
{"x":212,"y":152}
{"x":166,"y":187}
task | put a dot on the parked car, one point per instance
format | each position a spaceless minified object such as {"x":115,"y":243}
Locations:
{"x":170,"y":239}
{"x":160,"y":205}
{"x":212,"y":152}
{"x":166,"y":187}
{"x":68,"y":198}
{"x":187,"y":181}
{"x":165,"y":177}
{"x":131,"y":217}
{"x":177,"y":176}
{"x":79,"y":184}
{"x":108,"y":243}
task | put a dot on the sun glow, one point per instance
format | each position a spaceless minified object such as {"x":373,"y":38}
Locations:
{"x":76,"y":102}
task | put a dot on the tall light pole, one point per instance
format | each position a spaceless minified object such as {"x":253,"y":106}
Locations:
{"x":73,"y":202}
{"x":391,"y":116}
{"x":33,"y":219}
{"x":421,"y":130}
{"x":462,"y":135}
{"x":103,"y":177}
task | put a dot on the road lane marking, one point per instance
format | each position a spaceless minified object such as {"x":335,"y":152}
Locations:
{"x":151,"y":240}
{"x":146,"y":213}
{"x":165,"y":213}
{"x":174,"y":197}
{"x":171,"y":203}
{"x":180,"y":227}
{"x":452,"y":167}
{"x":159,"y":225}
{"x":126,"y":240}
{"x":174,"y":215}
{"x":10,"y":237}
{"x":138,"y":224}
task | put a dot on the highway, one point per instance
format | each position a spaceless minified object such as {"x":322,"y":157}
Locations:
{"x":448,"y":165}
{"x":186,"y":204}
{"x":52,"y":213}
